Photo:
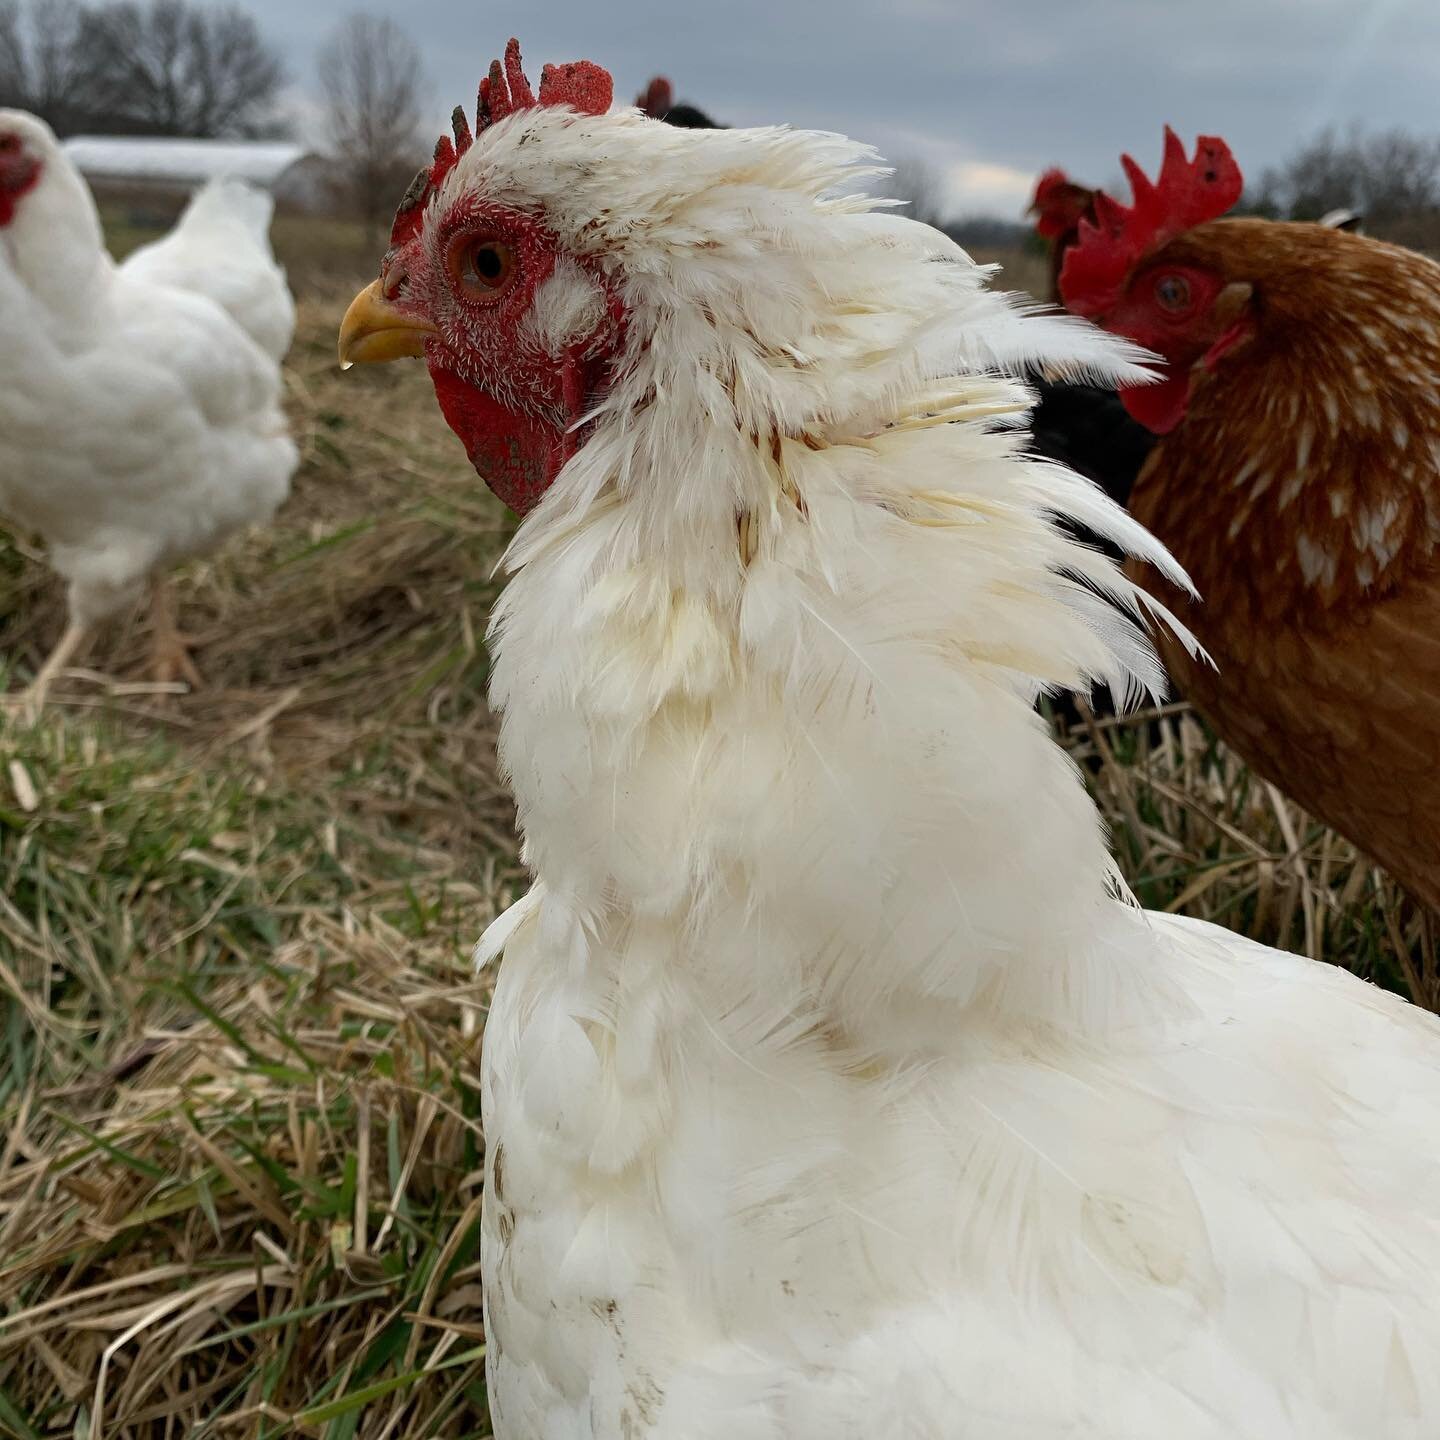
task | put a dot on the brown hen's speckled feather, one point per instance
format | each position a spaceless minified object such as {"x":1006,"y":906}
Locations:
{"x":1302,"y":493}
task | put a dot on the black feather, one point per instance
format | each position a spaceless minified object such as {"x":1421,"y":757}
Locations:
{"x":1088,"y":428}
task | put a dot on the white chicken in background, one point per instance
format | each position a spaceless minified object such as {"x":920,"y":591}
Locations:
{"x":220,"y":248}
{"x":832,"y":1088}
{"x":140,"y":419}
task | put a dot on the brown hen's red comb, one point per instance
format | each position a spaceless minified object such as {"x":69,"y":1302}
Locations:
{"x":1187,"y":193}
{"x":1051,"y":182}
{"x":656,"y":99}
{"x":581,"y":85}
{"x":1058,"y":203}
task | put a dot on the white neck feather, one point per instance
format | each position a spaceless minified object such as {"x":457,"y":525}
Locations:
{"x":786,"y":737}
{"x":55,"y":249}
{"x":769,"y":656}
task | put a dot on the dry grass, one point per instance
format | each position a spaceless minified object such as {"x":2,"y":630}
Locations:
{"x":239,"y":1149}
{"x":1197,"y":833}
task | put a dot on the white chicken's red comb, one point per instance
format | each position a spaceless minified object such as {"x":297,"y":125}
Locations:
{"x":581,"y":84}
{"x":1186,"y":193}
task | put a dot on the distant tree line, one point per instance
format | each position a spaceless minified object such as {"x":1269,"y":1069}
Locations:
{"x":921,"y":189}
{"x":166,"y":67}
{"x":1391,"y":177}
{"x":180,"y":67}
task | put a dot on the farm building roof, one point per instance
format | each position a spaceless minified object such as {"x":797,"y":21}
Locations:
{"x":180,"y":163}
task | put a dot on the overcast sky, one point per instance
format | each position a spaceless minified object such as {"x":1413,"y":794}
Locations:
{"x":988,"y":93}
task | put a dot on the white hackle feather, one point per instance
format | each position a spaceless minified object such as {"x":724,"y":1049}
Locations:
{"x":830,"y":1088}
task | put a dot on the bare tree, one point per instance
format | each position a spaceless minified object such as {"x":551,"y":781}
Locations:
{"x":45,"y":64}
{"x":1402,"y":175}
{"x":174,"y":68}
{"x":1392,"y":178}
{"x":370,"y":78}
{"x":14,"y":70}
{"x":918,"y":184}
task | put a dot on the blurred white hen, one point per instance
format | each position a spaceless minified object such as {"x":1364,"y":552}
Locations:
{"x":220,"y":248}
{"x":140,"y":419}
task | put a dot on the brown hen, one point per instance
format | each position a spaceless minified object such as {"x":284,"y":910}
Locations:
{"x":1298,"y":481}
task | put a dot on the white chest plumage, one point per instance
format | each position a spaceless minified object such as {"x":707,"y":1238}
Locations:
{"x":828,"y":1093}
{"x":1042,"y":1236}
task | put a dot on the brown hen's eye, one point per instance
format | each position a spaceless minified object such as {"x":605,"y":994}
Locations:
{"x":485,"y":268}
{"x":1173,"y":292}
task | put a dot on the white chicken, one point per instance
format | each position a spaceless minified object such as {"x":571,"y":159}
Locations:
{"x":832,"y":1086}
{"x":140,"y":419}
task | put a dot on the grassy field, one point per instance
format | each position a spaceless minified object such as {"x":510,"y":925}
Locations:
{"x":240,"y":1157}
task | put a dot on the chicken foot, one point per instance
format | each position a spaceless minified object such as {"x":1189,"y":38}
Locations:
{"x":170,"y":657}
{"x":31,"y":701}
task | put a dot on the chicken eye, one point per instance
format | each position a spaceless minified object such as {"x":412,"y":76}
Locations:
{"x":485,"y":267}
{"x":1173,"y":292}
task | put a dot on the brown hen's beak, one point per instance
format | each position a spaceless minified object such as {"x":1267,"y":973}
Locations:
{"x":376,"y":329}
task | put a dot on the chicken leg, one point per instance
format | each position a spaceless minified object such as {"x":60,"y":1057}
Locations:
{"x":170,"y":658}
{"x":31,"y":701}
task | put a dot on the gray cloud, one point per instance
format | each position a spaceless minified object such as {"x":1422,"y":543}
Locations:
{"x":990,"y":92}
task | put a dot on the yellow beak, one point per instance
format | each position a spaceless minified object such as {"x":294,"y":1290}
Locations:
{"x":374,"y":329}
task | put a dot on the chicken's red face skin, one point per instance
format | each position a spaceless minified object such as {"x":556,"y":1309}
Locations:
{"x":520,"y":335}
{"x":19,"y":174}
{"x":1187,"y":314}
{"x":507,"y":390}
